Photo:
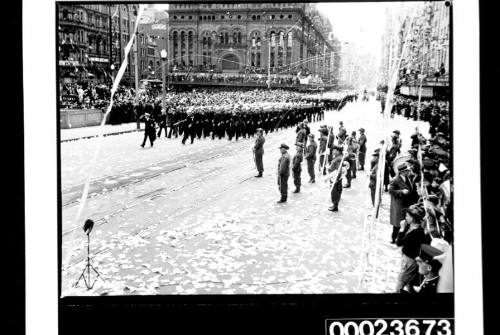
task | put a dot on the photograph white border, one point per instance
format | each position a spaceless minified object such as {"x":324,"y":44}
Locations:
{"x":39,"y":76}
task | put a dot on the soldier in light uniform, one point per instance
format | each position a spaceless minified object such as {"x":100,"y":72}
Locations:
{"x":258,"y":150}
{"x":342,"y":133}
{"x":336,"y":191}
{"x":362,"y":149}
{"x":297,"y":166}
{"x":323,"y":139}
{"x":311,"y":158}
{"x":283,"y":172}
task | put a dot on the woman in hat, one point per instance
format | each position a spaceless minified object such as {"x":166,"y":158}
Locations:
{"x":410,"y":236}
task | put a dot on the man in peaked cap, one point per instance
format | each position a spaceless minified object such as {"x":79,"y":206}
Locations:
{"x":429,"y":267}
{"x":311,"y":158}
{"x":149,"y":130}
{"x":403,"y":194}
{"x":258,"y":151}
{"x":283,"y":172}
{"x":297,"y":166}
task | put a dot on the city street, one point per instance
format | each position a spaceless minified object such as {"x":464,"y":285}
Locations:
{"x":192,"y":219}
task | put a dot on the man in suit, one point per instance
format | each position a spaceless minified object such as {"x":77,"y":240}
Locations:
{"x":362,"y":149}
{"x":283,"y":172}
{"x":311,"y":158}
{"x":258,"y":151}
{"x":335,"y":169}
{"x":297,"y":167}
{"x":403,"y":193}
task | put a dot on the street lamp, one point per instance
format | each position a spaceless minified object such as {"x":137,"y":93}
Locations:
{"x":163,"y":55}
{"x":112,"y":67}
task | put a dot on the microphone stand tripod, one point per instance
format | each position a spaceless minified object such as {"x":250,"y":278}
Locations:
{"x":87,"y":269}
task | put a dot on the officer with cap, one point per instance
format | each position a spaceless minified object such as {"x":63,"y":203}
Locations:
{"x":283,"y":172}
{"x":428,"y":267}
{"x":149,"y":129}
{"x":311,"y":157}
{"x":258,"y":151}
{"x":297,"y":166}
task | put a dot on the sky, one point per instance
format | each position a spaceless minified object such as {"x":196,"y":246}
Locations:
{"x":358,"y":23}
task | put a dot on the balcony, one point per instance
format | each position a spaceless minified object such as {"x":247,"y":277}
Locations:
{"x":230,"y":45}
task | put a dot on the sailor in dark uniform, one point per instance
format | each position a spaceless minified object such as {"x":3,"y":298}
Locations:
{"x":162,"y":123}
{"x":149,"y":130}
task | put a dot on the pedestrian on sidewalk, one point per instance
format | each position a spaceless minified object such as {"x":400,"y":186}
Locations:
{"x":283,"y":172}
{"x":311,"y":158}
{"x":258,"y":151}
{"x":297,"y":167}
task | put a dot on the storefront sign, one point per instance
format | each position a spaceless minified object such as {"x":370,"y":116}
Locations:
{"x":99,"y":60}
{"x":159,"y":26}
{"x":68,"y":63}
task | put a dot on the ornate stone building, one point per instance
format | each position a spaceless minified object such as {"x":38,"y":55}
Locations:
{"x":283,"y":38}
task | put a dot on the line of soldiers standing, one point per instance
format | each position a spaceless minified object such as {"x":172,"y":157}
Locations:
{"x":332,"y":159}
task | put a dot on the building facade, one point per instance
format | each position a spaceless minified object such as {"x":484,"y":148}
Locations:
{"x":152,"y":38}
{"x":92,"y":39}
{"x":280,"y":38}
{"x":425,"y":62}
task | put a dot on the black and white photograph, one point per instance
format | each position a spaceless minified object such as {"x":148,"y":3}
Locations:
{"x":255,"y":148}
{"x":255,"y":167}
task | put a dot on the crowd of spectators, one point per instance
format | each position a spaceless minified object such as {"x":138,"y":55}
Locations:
{"x":420,"y":183}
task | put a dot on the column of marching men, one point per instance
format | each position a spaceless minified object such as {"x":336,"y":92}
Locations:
{"x":196,"y":117}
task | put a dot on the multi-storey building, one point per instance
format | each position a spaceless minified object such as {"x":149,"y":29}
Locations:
{"x":280,"y":38}
{"x":425,"y":62}
{"x":152,"y":39}
{"x":92,"y":39}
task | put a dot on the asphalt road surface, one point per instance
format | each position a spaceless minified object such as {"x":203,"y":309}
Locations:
{"x":192,"y":219}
